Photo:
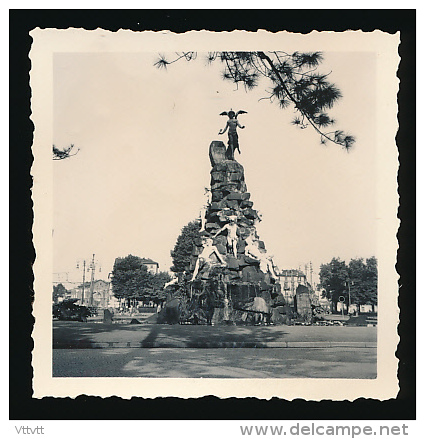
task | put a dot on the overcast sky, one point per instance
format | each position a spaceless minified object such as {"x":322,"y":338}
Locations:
{"x":144,"y":135}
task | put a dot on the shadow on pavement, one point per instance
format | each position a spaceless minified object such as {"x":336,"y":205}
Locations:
{"x":176,"y":351}
{"x":75,"y":334}
{"x":68,"y":335}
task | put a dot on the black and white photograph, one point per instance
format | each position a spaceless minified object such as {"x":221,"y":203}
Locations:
{"x":215,"y":213}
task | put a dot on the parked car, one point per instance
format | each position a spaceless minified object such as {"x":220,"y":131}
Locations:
{"x":68,"y":310}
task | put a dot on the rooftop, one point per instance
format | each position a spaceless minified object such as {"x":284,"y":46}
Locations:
{"x":296,"y":273}
{"x":148,"y":261}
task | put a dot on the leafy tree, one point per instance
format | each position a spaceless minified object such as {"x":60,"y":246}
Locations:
{"x":356,"y":269}
{"x":130,"y":278}
{"x":59,"y":291}
{"x":61,"y":154}
{"x":359,"y":278}
{"x":183,"y":247}
{"x":371,"y":281}
{"x":333,"y":278}
{"x":363,"y":280}
{"x":293,"y":79}
{"x":158,"y":294}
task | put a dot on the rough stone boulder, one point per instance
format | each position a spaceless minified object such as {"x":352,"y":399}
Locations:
{"x":240,"y":279}
{"x":217,"y":152}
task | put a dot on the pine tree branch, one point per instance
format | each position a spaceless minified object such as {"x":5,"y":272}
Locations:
{"x":262,"y":55}
{"x":163,"y":63}
{"x":309,"y":92}
{"x":62,"y":154}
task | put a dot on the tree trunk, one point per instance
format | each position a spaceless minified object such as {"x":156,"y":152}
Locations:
{"x":334,"y":306}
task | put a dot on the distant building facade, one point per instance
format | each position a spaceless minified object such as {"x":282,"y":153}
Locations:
{"x":289,"y":281}
{"x":102,"y":294}
{"x":152,"y":266}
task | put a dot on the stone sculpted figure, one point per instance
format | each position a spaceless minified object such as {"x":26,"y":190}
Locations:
{"x":232,"y":124}
{"x":258,"y":218}
{"x":205,"y":208}
{"x":232,"y":238}
{"x":252,"y":250}
{"x":206,"y":256}
{"x":172,"y":282}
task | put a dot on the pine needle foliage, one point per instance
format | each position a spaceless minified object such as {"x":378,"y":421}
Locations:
{"x":293,"y":80}
{"x":61,"y":154}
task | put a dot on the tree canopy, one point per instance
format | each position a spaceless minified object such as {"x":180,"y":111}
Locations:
{"x":359,"y":279}
{"x":363,"y":280}
{"x":132,"y":280}
{"x":333,"y":277}
{"x":59,"y":291}
{"x":157,"y":293}
{"x":293,"y":81}
{"x":184,"y":246}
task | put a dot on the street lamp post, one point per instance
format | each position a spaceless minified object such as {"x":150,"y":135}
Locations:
{"x":84,"y":280}
{"x":349,"y":296}
{"x":91,"y":266}
{"x":349,"y":282}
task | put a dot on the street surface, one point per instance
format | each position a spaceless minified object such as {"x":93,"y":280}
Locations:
{"x":216,"y":363}
{"x":68,"y":335}
{"x":150,"y":350}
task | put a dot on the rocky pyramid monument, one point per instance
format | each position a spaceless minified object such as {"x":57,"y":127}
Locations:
{"x":233,"y":276}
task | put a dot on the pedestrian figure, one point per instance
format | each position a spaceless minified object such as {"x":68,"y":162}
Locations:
{"x":195,"y":319}
{"x":226,"y":311}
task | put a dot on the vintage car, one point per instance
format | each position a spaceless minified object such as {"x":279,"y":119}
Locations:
{"x":68,"y":310}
